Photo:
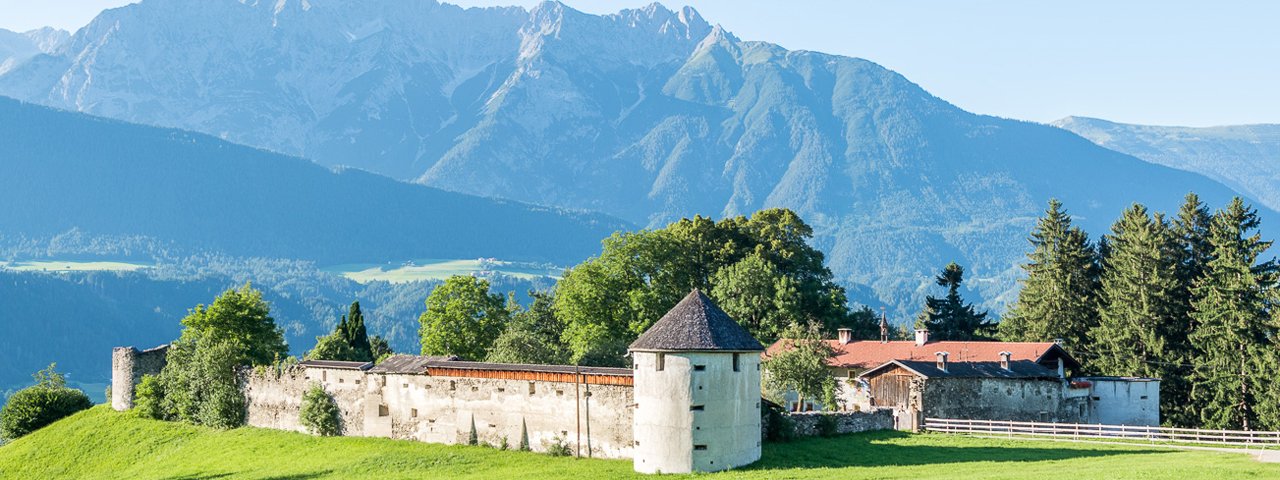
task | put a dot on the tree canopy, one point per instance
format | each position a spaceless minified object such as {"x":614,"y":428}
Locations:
{"x":1058,"y":299}
{"x":950,"y":317}
{"x":350,"y":341}
{"x":462,"y":318}
{"x":760,"y":269}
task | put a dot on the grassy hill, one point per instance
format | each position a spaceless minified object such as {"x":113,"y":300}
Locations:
{"x":100,"y":443}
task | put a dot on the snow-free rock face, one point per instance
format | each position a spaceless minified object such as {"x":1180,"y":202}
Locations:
{"x":16,"y":48}
{"x":648,"y":114}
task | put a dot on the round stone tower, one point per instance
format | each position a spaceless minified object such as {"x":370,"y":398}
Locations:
{"x":697,"y":391}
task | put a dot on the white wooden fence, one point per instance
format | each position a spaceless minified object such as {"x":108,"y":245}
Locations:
{"x":1097,"y":431}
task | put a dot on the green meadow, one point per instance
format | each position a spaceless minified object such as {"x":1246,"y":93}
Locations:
{"x":102,"y":444}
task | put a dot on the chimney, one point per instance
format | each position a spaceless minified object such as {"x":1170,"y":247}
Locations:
{"x":922,"y":336}
{"x":846,"y":335}
{"x":942,"y":360}
{"x":884,"y":327}
{"x":1004,"y":360}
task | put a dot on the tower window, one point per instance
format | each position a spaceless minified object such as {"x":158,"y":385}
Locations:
{"x":661,"y":361}
{"x":699,"y":368}
{"x":735,"y":361}
{"x":699,"y":447}
{"x":697,"y":408}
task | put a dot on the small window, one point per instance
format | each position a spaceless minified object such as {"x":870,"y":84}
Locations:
{"x":357,"y":382}
{"x":453,"y":385}
{"x":533,"y":388}
{"x":699,"y":447}
{"x":383,"y":379}
{"x":342,"y":380}
{"x":475,"y":389}
{"x":324,"y":376}
{"x":659,"y":364}
{"x":699,"y":368}
{"x":735,"y":362}
{"x":413,"y":412}
{"x":1144,"y":397}
{"x":1097,"y":398}
{"x":697,"y":408}
{"x":383,"y":411}
{"x":405,"y":385}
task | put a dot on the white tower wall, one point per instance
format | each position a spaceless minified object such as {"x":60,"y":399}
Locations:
{"x":697,"y":413}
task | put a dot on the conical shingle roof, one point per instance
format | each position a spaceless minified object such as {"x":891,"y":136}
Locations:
{"x":696,"y":324}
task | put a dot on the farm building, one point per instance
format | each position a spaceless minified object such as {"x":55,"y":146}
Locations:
{"x":987,"y":380}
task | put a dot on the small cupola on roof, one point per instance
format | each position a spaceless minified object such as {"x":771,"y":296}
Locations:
{"x":696,"y":324}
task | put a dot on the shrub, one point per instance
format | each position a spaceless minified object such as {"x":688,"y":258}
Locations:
{"x":148,"y":398}
{"x":780,"y":427}
{"x":200,"y":382}
{"x":558,"y":447}
{"x":34,"y":407}
{"x":320,"y":413}
{"x":827,"y":426}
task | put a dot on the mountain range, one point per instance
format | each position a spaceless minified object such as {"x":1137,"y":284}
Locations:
{"x":109,"y":178}
{"x":1244,"y":157}
{"x":648,"y":115}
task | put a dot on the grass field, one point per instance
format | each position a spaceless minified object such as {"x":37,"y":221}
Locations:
{"x":65,"y":266}
{"x":435,"y":269}
{"x":100,"y":443}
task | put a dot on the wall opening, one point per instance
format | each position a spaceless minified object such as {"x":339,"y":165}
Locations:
{"x":735,"y":362}
{"x":699,"y":447}
{"x":660,"y":363}
{"x":383,"y":411}
{"x":699,"y":368}
{"x":532,"y":388}
{"x":697,"y":408}
{"x":413,"y":412}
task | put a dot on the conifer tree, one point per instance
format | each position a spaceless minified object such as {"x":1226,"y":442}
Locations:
{"x":950,"y":318}
{"x":1139,"y":304}
{"x":1059,"y":296}
{"x":1191,"y":236}
{"x":1234,"y":335}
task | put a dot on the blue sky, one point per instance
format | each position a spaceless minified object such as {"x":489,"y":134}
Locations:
{"x":1141,"y":61}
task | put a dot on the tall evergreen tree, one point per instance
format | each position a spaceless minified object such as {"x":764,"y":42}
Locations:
{"x":1139,"y":303}
{"x":1059,"y":296}
{"x":350,"y":341}
{"x":1191,"y":236}
{"x":1233,"y":338}
{"x":949,"y":317}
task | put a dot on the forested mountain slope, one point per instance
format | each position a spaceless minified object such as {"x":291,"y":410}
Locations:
{"x":1244,"y":157}
{"x":67,"y":170}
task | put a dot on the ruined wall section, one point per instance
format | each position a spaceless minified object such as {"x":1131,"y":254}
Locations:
{"x":128,"y":365}
{"x":274,"y":397}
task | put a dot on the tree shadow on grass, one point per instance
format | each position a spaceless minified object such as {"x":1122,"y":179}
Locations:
{"x":877,"y":449}
{"x":214,"y":476}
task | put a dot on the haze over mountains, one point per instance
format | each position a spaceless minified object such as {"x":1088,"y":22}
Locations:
{"x":1244,"y":157}
{"x":648,"y":115}
{"x":105,"y":177}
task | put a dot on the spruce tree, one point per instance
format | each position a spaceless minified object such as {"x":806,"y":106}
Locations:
{"x":1139,"y":303}
{"x":950,"y":318}
{"x":1235,"y":357}
{"x":1059,"y":296}
{"x":1192,"y":249}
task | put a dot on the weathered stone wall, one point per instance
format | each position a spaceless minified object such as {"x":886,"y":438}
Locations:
{"x":806,"y":423}
{"x":274,"y":397}
{"x":995,"y":399}
{"x":442,"y":409}
{"x":128,"y":365}
{"x":1124,"y":401}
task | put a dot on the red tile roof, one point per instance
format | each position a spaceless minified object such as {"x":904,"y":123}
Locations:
{"x":865,"y":354}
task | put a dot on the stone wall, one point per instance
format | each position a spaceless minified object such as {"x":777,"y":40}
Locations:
{"x":806,"y":423}
{"x":128,"y":365}
{"x":996,"y":398}
{"x":444,"y":409}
